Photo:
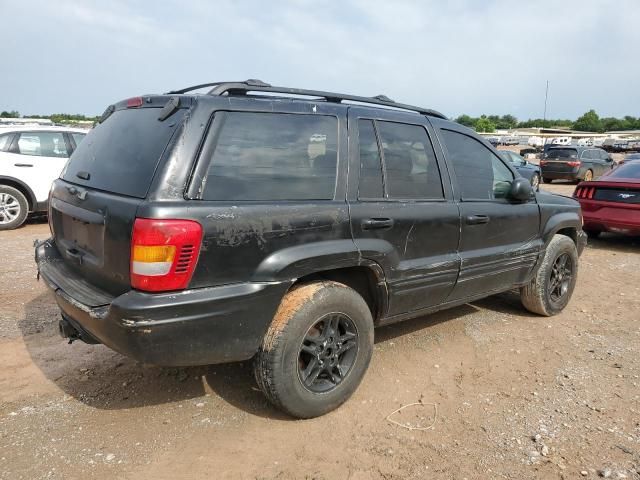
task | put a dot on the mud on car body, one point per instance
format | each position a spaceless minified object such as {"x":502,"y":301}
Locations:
{"x":193,"y":228}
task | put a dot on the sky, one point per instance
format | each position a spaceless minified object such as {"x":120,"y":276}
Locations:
{"x":458,"y":56}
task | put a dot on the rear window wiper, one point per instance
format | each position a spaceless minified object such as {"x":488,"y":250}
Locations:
{"x":107,"y":113}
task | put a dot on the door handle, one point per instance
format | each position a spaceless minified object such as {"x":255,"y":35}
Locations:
{"x":377,"y":223}
{"x":23,"y":164}
{"x":477,"y":219}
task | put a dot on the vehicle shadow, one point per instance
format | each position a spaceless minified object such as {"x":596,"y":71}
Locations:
{"x":103,"y":379}
{"x":614,"y":242}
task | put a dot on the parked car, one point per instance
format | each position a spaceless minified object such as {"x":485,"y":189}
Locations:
{"x":631,"y":157}
{"x":31,"y":158}
{"x":495,"y":141}
{"x":574,"y":163}
{"x":182,"y":245}
{"x":509,"y":140}
{"x":561,"y":141}
{"x":612,"y":203}
{"x":527,"y":169}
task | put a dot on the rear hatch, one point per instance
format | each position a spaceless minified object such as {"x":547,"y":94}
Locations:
{"x":560,"y":160}
{"x":93,"y":205}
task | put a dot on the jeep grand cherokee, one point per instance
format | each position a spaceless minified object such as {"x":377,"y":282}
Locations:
{"x":283,"y":225}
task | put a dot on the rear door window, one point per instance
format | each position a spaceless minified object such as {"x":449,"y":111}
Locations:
{"x":42,"y":144}
{"x":370,"y":162}
{"x":273,"y":156}
{"x":121,"y":154}
{"x":410,"y":166}
{"x":77,"y":137}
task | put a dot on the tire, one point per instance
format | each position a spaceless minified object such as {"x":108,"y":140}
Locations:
{"x":593,"y":233}
{"x":588,"y":176}
{"x":540,"y":296}
{"x":535,"y":181}
{"x":546,"y":180}
{"x":306,"y":320}
{"x":14,"y":208}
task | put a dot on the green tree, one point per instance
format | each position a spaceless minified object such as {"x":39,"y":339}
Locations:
{"x":589,"y":122}
{"x":467,"y":121}
{"x":11,"y":114}
{"x":485,"y":125}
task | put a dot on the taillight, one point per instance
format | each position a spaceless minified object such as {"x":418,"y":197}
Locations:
{"x":134,"y":102}
{"x":164,"y":253}
{"x":575,"y":163}
{"x":584,"y":192}
{"x":543,"y":162}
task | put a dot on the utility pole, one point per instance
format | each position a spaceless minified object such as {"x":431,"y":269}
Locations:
{"x":546,"y":96}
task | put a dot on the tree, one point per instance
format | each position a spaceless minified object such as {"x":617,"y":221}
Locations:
{"x":589,"y":122}
{"x":485,"y":125}
{"x":467,"y":121}
{"x":11,"y":114}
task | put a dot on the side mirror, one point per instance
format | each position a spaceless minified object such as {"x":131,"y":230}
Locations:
{"x":520,"y":189}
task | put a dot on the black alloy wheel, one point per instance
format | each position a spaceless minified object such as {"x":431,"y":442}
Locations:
{"x":327,"y":353}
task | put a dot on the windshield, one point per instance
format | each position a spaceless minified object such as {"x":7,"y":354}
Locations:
{"x":562,"y":153}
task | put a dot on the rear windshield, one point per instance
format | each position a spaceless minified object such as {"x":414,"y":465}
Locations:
{"x":628,"y":170}
{"x":121,"y":154}
{"x":562,"y":153}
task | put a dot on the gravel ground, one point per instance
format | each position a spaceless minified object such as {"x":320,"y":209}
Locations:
{"x":507,"y":394}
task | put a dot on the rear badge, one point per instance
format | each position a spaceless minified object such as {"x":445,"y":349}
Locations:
{"x":626,"y":195}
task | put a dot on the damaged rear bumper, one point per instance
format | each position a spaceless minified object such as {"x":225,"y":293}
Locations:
{"x":192,"y":327}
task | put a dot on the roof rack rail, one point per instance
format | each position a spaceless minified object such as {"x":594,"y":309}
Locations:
{"x":254,"y":85}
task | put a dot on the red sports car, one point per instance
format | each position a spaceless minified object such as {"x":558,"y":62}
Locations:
{"x":612,"y":203}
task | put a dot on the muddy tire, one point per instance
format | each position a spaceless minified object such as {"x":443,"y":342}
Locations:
{"x":317,"y":349}
{"x":14,"y":208}
{"x":551,"y":289}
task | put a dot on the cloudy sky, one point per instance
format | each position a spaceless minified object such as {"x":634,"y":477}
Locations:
{"x":459,"y":56}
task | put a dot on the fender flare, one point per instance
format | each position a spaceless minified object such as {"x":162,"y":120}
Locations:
{"x":31,"y":198}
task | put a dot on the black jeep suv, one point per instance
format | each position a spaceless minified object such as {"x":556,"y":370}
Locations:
{"x":285,"y":224}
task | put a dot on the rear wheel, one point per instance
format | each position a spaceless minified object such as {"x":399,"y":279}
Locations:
{"x":316,"y":350}
{"x":546,"y":180}
{"x":593,"y":233}
{"x":14,"y":208}
{"x":551,"y":289}
{"x":588,"y":176}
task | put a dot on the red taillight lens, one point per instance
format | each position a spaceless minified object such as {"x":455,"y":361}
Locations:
{"x":575,"y":163}
{"x":543,"y":162}
{"x":134,"y":102}
{"x":164,"y":253}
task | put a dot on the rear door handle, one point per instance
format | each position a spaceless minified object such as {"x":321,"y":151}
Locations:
{"x":377,"y":223}
{"x":23,"y":164}
{"x":477,"y":219}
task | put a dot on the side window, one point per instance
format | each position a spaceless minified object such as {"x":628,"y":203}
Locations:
{"x":587,"y":155}
{"x":77,"y":137}
{"x":481,"y":175}
{"x":273,"y":156}
{"x":4,"y":141}
{"x":410,"y":166}
{"x":42,"y":144}
{"x":370,"y":163}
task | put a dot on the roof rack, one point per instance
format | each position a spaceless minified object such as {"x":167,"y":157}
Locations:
{"x":254,"y":85}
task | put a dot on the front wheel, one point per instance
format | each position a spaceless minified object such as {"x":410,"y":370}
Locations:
{"x":317,"y":349}
{"x":550,"y":290}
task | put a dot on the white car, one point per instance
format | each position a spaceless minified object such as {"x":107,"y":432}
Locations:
{"x":31,"y":158}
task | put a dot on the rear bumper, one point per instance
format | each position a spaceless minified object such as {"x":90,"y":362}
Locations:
{"x":561,"y":175}
{"x":610,"y":217}
{"x":193,"y":327}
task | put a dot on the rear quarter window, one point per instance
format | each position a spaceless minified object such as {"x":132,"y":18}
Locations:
{"x":273,"y":156}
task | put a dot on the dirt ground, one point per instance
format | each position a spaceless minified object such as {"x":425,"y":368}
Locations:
{"x":510,"y":395}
